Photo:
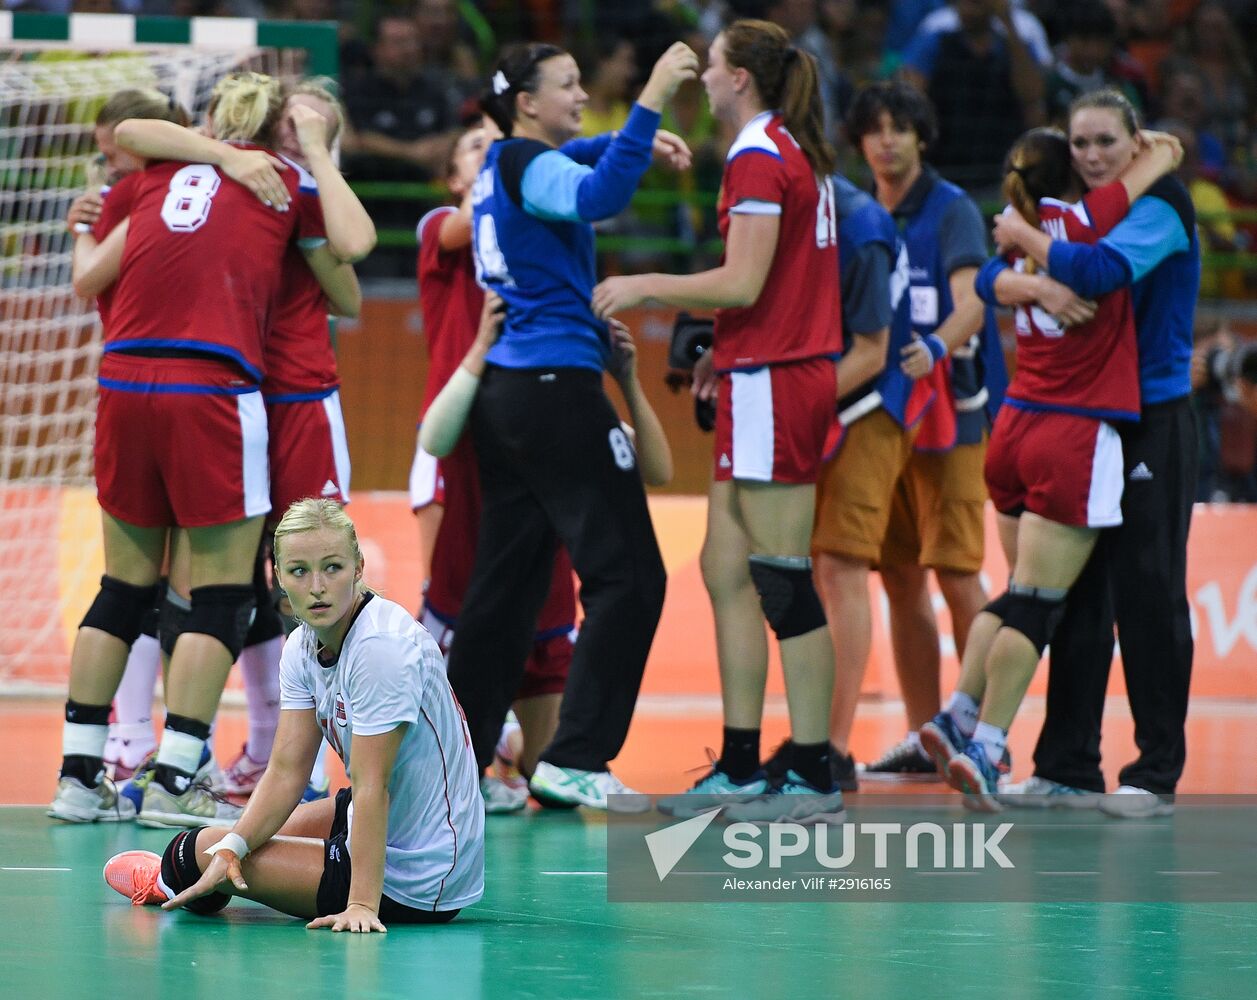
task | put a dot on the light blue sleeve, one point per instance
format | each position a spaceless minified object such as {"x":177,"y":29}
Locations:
{"x":551,"y":185}
{"x":1150,"y":233}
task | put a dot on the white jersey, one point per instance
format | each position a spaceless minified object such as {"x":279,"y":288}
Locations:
{"x":390,"y":672}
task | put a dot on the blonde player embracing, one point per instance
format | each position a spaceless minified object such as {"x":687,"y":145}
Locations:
{"x":360,"y":672}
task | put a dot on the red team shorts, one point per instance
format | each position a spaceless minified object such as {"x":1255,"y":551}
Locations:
{"x":309,"y":452}
{"x":179,"y":442}
{"x":1061,"y":466}
{"x":772,"y":422}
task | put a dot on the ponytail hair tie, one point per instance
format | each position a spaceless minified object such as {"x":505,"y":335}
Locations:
{"x":792,"y":54}
{"x":500,"y":83}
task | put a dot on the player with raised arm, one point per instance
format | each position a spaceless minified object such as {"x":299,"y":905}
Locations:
{"x":180,"y":442}
{"x":1054,"y":467}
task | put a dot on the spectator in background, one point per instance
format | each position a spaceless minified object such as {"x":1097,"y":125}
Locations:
{"x":1225,"y":419}
{"x":1183,"y":100}
{"x":985,"y":85}
{"x":1210,"y":46}
{"x":1214,"y":227}
{"x":608,"y":71}
{"x":355,"y":54}
{"x":443,"y":51}
{"x":404,"y":118}
{"x":1088,"y":59}
{"x":800,"y":19}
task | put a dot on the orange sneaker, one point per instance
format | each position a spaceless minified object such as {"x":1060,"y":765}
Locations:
{"x":134,"y":874}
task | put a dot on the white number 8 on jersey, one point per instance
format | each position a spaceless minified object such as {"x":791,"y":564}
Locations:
{"x":190,"y":198}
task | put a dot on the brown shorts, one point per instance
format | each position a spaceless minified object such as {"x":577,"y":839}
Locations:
{"x":856,"y":486}
{"x":937,"y":518}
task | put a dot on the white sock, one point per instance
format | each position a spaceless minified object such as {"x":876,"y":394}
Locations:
{"x":133,"y":704}
{"x":259,"y":667}
{"x":181,"y":751}
{"x":79,"y":740}
{"x":993,"y":739}
{"x":963,"y":711}
{"x":914,"y":740}
{"x":318,"y":774}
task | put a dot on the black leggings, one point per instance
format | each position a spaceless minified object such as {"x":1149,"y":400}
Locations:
{"x":555,"y":465}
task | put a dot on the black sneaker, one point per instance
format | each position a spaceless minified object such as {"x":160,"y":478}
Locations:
{"x":905,"y":761}
{"x":841,"y":766}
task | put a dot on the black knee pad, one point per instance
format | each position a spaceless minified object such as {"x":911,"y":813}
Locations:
{"x":1000,"y":605}
{"x":1034,"y":612}
{"x":224,"y":611}
{"x":179,"y":871}
{"x":172,"y":619}
{"x":119,"y":609}
{"x":267,"y":623}
{"x":787,"y":594}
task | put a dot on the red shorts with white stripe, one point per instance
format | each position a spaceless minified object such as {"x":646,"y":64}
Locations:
{"x":427,"y":483}
{"x":771,"y":423}
{"x":309,"y":452}
{"x":179,"y":441}
{"x":1062,"y":466}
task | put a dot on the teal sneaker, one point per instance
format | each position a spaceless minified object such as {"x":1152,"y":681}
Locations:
{"x":711,"y":791}
{"x":1043,"y":793}
{"x":315,"y":792}
{"x":565,"y":787}
{"x":792,"y":800}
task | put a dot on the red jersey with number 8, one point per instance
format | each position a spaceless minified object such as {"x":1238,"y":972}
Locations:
{"x":798,"y":313}
{"x":202,"y":263}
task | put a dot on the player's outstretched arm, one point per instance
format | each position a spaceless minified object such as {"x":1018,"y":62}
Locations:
{"x":95,"y":266}
{"x":256,"y":170}
{"x":654,"y":457}
{"x":373,"y":759}
{"x":350,"y":231}
{"x":272,"y":802}
{"x":738,"y":281}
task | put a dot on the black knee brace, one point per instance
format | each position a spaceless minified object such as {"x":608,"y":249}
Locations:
{"x":787,"y":594}
{"x":224,"y":611}
{"x":179,"y":871}
{"x":119,"y":609}
{"x":1034,"y":612}
{"x":267,"y":623}
{"x":172,"y":619}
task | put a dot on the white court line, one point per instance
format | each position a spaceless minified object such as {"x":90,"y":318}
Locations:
{"x":8,"y":869}
{"x":573,"y":873}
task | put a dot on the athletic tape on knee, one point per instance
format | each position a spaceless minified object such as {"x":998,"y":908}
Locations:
{"x":1035,"y":612}
{"x":787,"y":594}
{"x":119,"y":609}
{"x":223,"y":611}
{"x":172,"y":619}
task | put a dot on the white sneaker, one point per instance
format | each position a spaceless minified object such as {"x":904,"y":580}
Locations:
{"x":571,"y":786}
{"x":195,"y":806}
{"x":76,"y":803}
{"x":1043,"y":793}
{"x":499,"y":797}
{"x":1129,"y":802}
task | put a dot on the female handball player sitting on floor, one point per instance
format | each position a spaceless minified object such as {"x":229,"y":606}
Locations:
{"x":362,"y":673}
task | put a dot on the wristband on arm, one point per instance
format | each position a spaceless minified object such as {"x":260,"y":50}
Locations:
{"x":231,"y":842}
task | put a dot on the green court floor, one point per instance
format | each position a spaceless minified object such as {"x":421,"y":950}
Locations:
{"x":545,"y":929}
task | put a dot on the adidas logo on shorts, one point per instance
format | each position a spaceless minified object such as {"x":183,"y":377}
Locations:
{"x":724,"y":462}
{"x":330,"y":489}
{"x":1140,"y":473}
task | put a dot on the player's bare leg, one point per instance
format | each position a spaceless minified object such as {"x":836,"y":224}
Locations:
{"x":843,"y":584}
